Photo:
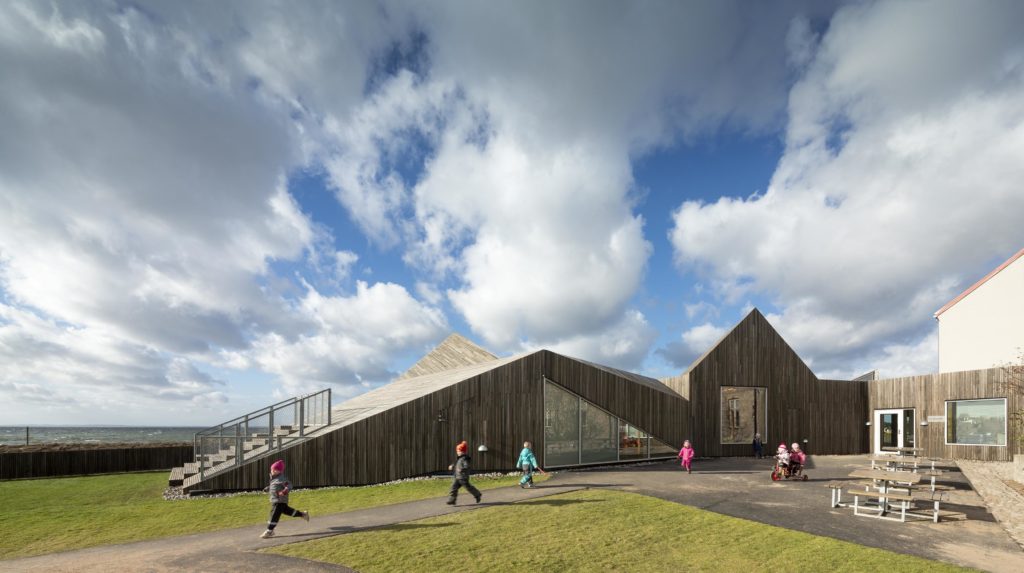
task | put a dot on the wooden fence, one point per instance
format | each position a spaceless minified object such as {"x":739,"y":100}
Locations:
{"x":16,"y":465}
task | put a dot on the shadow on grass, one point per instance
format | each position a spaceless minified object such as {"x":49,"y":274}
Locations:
{"x":340,"y":529}
{"x":580,"y":485}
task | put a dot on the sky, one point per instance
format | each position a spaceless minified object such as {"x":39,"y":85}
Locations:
{"x":209,"y":206}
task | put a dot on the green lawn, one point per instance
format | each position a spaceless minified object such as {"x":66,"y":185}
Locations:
{"x":598,"y":531}
{"x":49,"y":515}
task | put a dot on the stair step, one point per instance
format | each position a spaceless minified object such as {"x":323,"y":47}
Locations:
{"x":177,"y":477}
{"x":191,"y":468}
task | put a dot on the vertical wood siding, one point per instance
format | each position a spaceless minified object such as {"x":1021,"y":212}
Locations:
{"x":928,"y":394}
{"x":16,"y":465}
{"x":830,"y":414}
{"x":500,"y":408}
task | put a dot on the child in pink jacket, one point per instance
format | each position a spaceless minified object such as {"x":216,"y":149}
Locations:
{"x":687,"y":455}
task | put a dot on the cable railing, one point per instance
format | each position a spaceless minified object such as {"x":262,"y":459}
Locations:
{"x":261,"y":432}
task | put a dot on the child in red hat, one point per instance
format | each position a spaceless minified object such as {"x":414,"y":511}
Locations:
{"x":279,"y":488}
{"x":461,"y":475}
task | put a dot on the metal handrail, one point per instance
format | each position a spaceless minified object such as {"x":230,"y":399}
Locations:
{"x":238,"y":429}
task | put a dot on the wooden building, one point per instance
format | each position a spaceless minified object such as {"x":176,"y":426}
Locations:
{"x":752,"y":381}
{"x":574,"y":412}
{"x":951,"y":415}
{"x":578,"y":413}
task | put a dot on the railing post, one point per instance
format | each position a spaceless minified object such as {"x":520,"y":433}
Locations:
{"x":270,"y":438}
{"x":199,"y":456}
{"x":302,"y":417}
{"x":238,"y":448}
{"x":328,"y":406}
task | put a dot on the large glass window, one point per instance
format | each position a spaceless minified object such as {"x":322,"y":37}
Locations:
{"x":660,"y":449}
{"x":599,"y":431}
{"x":561,"y":427}
{"x":632,"y":442}
{"x":976,"y":422}
{"x":744,"y":413}
{"x":576,"y":431}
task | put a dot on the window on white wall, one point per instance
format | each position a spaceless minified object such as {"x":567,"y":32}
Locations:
{"x":976,"y":422}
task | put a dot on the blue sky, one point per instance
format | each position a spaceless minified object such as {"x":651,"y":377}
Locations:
{"x":205,"y":208}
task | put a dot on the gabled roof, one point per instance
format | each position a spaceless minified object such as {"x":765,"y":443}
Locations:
{"x":975,"y":286}
{"x":454,"y":352}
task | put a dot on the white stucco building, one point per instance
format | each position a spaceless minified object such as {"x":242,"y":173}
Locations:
{"x":983,"y":327}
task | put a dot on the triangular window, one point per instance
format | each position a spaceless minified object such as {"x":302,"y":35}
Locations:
{"x":577,"y":432}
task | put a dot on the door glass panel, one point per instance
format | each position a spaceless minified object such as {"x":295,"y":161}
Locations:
{"x":908,"y":428}
{"x":889,"y":427}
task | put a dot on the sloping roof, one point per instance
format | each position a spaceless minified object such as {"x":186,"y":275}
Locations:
{"x":975,"y":286}
{"x":639,"y":379}
{"x":404,"y":390}
{"x":454,"y":352}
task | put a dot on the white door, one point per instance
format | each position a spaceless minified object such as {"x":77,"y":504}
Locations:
{"x":888,"y":430}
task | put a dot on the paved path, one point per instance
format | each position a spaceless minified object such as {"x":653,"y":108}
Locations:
{"x":235,"y":549}
{"x":739,"y":487}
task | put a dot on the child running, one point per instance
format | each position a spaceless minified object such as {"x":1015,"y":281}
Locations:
{"x":686,"y":454}
{"x":461,"y":475}
{"x":279,"y":488}
{"x":528,"y":463}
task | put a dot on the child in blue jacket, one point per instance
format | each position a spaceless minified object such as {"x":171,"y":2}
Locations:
{"x":528,"y":463}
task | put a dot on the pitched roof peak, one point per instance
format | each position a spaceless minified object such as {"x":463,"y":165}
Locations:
{"x":454,"y":352}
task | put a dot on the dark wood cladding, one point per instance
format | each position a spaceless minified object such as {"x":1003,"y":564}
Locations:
{"x":928,"y":394}
{"x":17,"y":465}
{"x":661,"y":414}
{"x":500,"y":408}
{"x":830,"y":414}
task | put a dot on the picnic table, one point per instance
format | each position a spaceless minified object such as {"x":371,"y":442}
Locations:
{"x":895,"y":462}
{"x":904,"y":451}
{"x":885,"y":481}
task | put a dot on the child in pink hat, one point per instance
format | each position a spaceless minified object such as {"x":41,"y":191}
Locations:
{"x":279,"y":488}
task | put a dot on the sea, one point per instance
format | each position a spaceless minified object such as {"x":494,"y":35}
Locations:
{"x":15,"y":435}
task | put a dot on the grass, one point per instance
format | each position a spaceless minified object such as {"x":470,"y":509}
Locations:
{"x":598,"y":531}
{"x":50,"y":515}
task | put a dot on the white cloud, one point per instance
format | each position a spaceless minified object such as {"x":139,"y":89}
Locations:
{"x":624,"y":344}
{"x":89,"y":375}
{"x":898,"y":173}
{"x":353,"y":342}
{"x":143,"y":199}
{"x":693,"y":343}
{"x":525,"y":202}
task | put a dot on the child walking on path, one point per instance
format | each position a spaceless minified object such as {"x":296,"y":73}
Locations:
{"x":528,"y":463}
{"x":758,"y":446}
{"x":279,"y":488}
{"x":461,"y":475}
{"x":686,"y":454}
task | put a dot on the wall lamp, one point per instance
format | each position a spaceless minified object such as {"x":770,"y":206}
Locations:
{"x":482,"y":448}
